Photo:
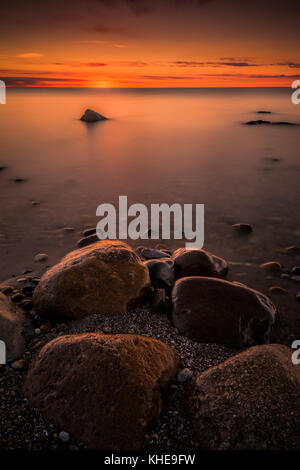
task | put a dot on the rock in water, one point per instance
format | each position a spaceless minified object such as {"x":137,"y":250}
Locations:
{"x":106,"y":277}
{"x":249,"y":402}
{"x":104,"y":389}
{"x":198,"y":263}
{"x":91,"y":116}
{"x":212,"y":310}
{"x":15,"y":328}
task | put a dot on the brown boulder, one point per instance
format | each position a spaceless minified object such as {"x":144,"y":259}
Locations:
{"x":249,"y":402}
{"x":198,"y":263}
{"x":213,"y":310}
{"x":106,"y":277}
{"x":15,"y":328}
{"x":104,"y":389}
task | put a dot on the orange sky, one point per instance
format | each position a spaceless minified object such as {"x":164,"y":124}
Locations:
{"x":143,"y":43}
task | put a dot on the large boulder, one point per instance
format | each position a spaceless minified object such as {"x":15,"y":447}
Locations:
{"x":213,"y":310}
{"x":106,"y":277}
{"x":198,"y":263}
{"x":251,"y":401}
{"x":92,"y":116}
{"x":104,"y":389}
{"x":15,"y":328}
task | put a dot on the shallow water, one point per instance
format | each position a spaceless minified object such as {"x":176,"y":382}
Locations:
{"x":186,"y":146}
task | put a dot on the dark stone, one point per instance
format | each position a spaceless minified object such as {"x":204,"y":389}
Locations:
{"x":211,"y":310}
{"x":151,"y":253}
{"x":262,"y":122}
{"x":88,"y":240}
{"x":18,"y":297}
{"x":161,"y":273}
{"x":92,"y":116}
{"x":242,"y":228}
{"x":296,"y":271}
{"x":198,"y":263}
{"x":89,"y":231}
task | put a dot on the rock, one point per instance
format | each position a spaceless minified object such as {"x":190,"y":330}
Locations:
{"x":27,"y":290}
{"x":89,"y":231}
{"x":18,"y":297}
{"x":41,"y":257}
{"x":242,"y":228}
{"x":159,"y":303}
{"x":295,"y":279}
{"x":296,"y":271}
{"x":7,"y":290}
{"x":298,"y":296}
{"x":19,"y":180}
{"x":104,"y":389}
{"x":278,"y":290}
{"x":272,"y":266}
{"x":213,"y":310}
{"x":105,"y":278}
{"x":15,"y":328}
{"x":91,"y":116}
{"x":264,"y":112}
{"x":19,"y":365}
{"x":64,"y":436}
{"x":184,"y":375}
{"x":198,"y":263}
{"x":293,"y":250}
{"x":26,"y":305}
{"x":151,"y":253}
{"x":87,"y":241}
{"x":262,"y":122}
{"x":243,"y":404}
{"x":161,"y":273}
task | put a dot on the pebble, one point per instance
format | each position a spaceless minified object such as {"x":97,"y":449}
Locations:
{"x":64,"y":436}
{"x":26,"y":305}
{"x":284,"y":276}
{"x":40,"y":257}
{"x":278,"y":290}
{"x":296,"y":270}
{"x":242,"y":228}
{"x":184,"y":375}
{"x":37,"y":331}
{"x":293,"y":250}
{"x":18,"y":365}
{"x":19,"y":180}
{"x":18,"y":297}
{"x":298,"y":296}
{"x":89,"y":231}
{"x":296,"y":279}
{"x":272,"y":266}
{"x":7,"y":290}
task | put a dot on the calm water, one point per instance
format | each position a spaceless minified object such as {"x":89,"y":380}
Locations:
{"x":186,"y":146}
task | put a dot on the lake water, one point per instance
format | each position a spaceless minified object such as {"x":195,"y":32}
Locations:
{"x":186,"y":146}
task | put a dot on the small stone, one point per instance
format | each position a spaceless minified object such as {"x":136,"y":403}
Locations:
{"x":22,"y":279}
{"x":68,"y":229}
{"x":37,"y":331}
{"x":18,"y":297}
{"x":35,"y":280}
{"x":272,"y":266}
{"x":298,"y":296}
{"x":184,"y":375}
{"x":296,"y":271}
{"x":278,"y":290}
{"x":35,"y":203}
{"x":296,"y":279}
{"x":26,"y":305}
{"x":18,"y":365}
{"x":89,"y":231}
{"x":242,"y":228}
{"x":7,"y":290}
{"x":19,"y":180}
{"x":27,"y":290}
{"x":293,"y":250}
{"x":107,"y":329}
{"x":40,"y":257}
{"x":87,"y":240}
{"x":284,"y":276}
{"x":92,"y":116}
{"x":64,"y":436}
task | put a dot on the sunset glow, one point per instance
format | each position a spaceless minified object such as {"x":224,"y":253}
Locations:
{"x":174,"y":43}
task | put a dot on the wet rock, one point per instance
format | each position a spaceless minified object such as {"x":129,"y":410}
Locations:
{"x":295,"y":279}
{"x":18,"y":297}
{"x":159,"y":303}
{"x":7,"y":290}
{"x":161,"y":273}
{"x":296,"y":271}
{"x":105,"y":278}
{"x":19,"y":365}
{"x":19,"y":180}
{"x":15,"y":328}
{"x":242,"y":228}
{"x":87,"y":240}
{"x":40,"y":258}
{"x":104,"y":389}
{"x":89,"y":231}
{"x":198,"y":263}
{"x":151,"y":253}
{"x":211,"y":310}
{"x":260,"y":122}
{"x":27,"y":290}
{"x":92,"y":116}
{"x":293,"y":250}
{"x":278,"y":290}
{"x":26,"y":305}
{"x":264,"y":112}
{"x":242,"y":404}
{"x":298,"y":296}
{"x":272,"y":266}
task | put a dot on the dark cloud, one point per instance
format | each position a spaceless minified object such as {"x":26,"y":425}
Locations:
{"x":39,"y":81}
{"x":233,"y":63}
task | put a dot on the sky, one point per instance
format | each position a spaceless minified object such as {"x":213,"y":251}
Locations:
{"x":143,"y":43}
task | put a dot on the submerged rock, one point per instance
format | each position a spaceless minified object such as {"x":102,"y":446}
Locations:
{"x":213,"y":310}
{"x":198,"y":263}
{"x":242,"y":228}
{"x":249,"y":402}
{"x":104,"y":389}
{"x":263,"y":122}
{"x":91,"y":116}
{"x":15,"y":328}
{"x":106,"y":277}
{"x":272,"y":266}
